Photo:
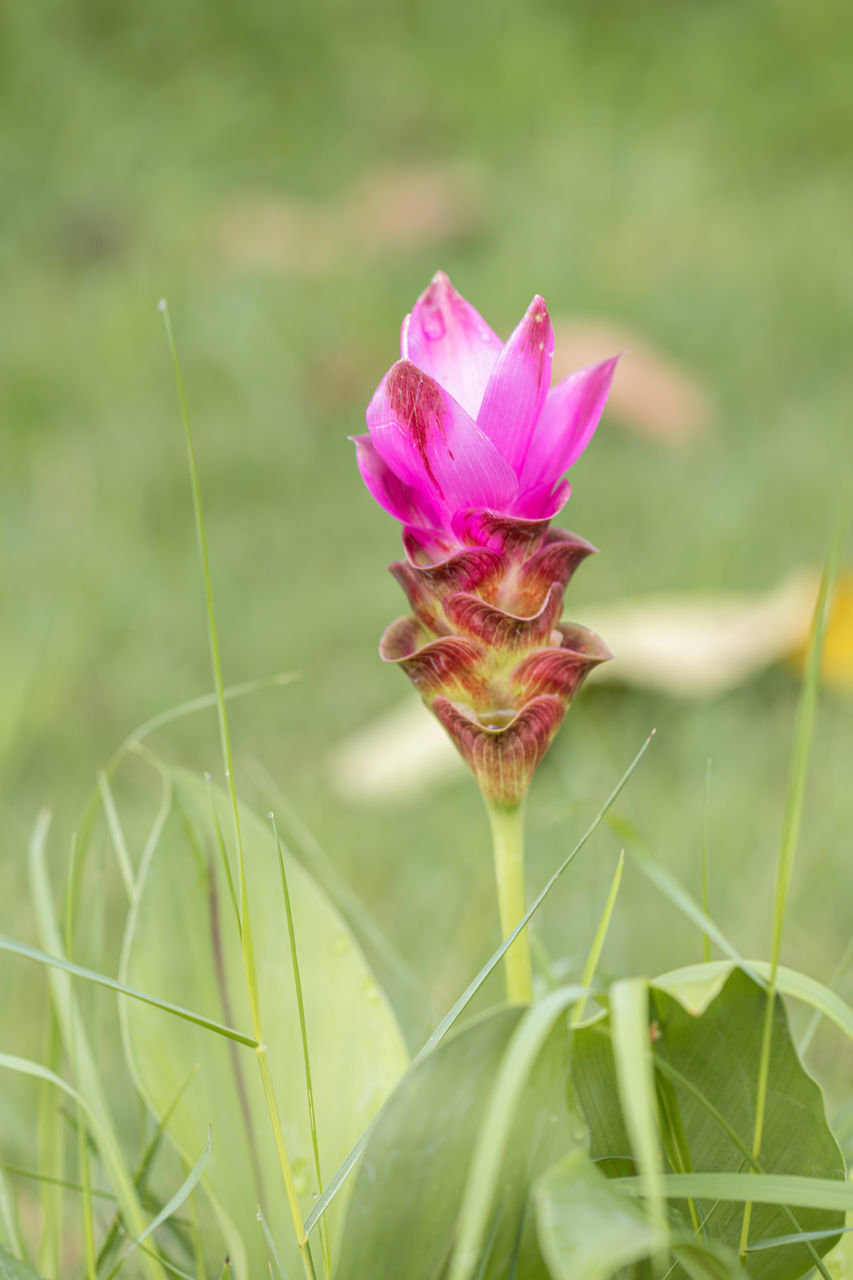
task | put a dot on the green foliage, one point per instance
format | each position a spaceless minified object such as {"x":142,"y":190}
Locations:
{"x":486,"y":1099}
{"x":588,"y":1230}
{"x":404,"y":1211}
{"x":707,"y":1075}
{"x":11,"y":1268}
{"x":183,"y":941}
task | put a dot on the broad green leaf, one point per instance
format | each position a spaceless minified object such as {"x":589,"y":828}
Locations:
{"x":404,"y":1211}
{"x":589,"y":1230}
{"x":707,"y":1072}
{"x":695,"y":985}
{"x":182,"y":943}
{"x":11,"y":1268}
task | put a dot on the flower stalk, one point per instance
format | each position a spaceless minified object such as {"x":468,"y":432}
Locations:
{"x":507,"y":824}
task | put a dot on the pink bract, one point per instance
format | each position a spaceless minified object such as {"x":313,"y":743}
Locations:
{"x":465,"y":423}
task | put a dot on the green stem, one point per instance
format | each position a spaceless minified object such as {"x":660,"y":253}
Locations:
{"x":508,"y":842}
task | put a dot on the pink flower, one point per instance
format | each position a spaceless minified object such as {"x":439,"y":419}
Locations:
{"x":467,"y":448}
{"x":464,"y":423}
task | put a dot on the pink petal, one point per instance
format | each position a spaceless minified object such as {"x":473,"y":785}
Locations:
{"x":515,"y":395}
{"x":571,"y":414}
{"x":542,"y":501}
{"x":451,"y":342}
{"x":410,"y":505}
{"x":429,"y":441}
{"x":428,"y":547}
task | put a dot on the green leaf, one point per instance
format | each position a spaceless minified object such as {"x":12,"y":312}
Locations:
{"x":695,"y":985}
{"x":405,"y":1207}
{"x":11,"y":1268}
{"x":589,"y":1230}
{"x":183,"y":944}
{"x":707,"y":1069}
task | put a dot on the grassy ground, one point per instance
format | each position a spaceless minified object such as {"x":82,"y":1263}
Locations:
{"x":680,"y":168}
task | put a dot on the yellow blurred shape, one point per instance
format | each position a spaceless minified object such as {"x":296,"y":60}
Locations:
{"x":837,"y":665}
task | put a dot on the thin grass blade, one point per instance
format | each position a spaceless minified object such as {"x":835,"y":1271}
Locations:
{"x":303,"y":1035}
{"x":101,"y":979}
{"x":120,"y":849}
{"x":803,"y":735}
{"x":687,"y":905}
{"x":598,"y":941}
{"x":629,"y":1022}
{"x":762,"y":1188}
{"x":184,"y":1191}
{"x":271,"y":1246}
{"x":9,"y":1216}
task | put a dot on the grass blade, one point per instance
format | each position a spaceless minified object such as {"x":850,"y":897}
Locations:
{"x":598,"y":941}
{"x":667,"y":884}
{"x":271,"y":1246}
{"x":706,"y":897}
{"x":394,"y":974}
{"x":143,"y":1168}
{"x":9,"y":1217}
{"x":762,"y":1188}
{"x":303,"y":1035}
{"x":798,"y":1237}
{"x":119,"y":843}
{"x":186,"y":1189}
{"x":51,"y":1150}
{"x":814,"y":1022}
{"x":36,"y":1175}
{"x":204,"y":702}
{"x":803,"y":735}
{"x":632,"y":1056}
{"x":86,"y":1197}
{"x":101,"y":979}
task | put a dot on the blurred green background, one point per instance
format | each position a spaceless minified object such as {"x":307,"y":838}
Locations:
{"x":290,"y":175}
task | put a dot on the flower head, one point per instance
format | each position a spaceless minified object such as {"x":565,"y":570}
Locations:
{"x":465,"y":424}
{"x":467,"y":447}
